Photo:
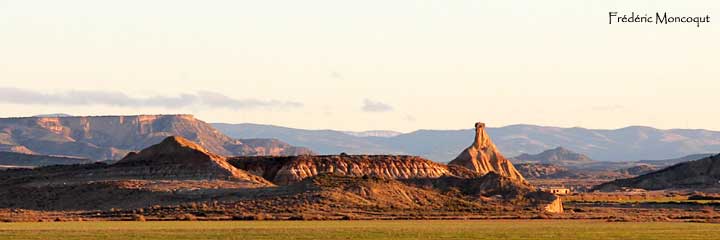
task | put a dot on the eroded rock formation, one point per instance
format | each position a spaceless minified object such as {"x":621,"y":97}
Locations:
{"x":483,"y":157}
{"x":178,"y":172}
{"x":285,"y":170}
{"x":178,"y":158}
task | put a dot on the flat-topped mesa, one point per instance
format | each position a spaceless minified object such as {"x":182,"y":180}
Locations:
{"x":483,"y":157}
{"x":176,"y":158}
{"x":286,"y":170}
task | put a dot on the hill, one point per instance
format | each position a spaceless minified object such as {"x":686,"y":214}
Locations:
{"x":624,"y":144}
{"x":698,"y":174}
{"x":673,"y":161}
{"x":557,"y":156}
{"x":112,"y":137}
{"x":178,"y":158}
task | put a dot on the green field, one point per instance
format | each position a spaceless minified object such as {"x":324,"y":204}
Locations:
{"x":286,"y":230}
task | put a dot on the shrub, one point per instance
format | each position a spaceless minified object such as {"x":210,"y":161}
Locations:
{"x":251,"y":217}
{"x":349,"y":217}
{"x":186,"y":217}
{"x":138,"y":217}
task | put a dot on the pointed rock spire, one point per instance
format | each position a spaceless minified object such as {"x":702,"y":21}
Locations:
{"x":483,"y":157}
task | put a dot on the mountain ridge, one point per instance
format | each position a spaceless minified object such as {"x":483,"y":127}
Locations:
{"x":112,"y":137}
{"x":623,"y":144}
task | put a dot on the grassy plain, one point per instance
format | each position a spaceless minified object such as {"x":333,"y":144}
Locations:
{"x":288,"y":230}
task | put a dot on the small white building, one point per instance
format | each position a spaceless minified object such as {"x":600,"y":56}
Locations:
{"x":557,"y":190}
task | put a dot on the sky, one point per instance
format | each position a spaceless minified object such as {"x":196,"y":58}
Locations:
{"x":364,"y":65}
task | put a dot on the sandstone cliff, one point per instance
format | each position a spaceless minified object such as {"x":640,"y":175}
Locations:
{"x":112,"y":137}
{"x":483,"y":157}
{"x":285,"y":170}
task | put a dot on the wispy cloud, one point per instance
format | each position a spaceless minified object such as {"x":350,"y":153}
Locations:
{"x":336,"y":75}
{"x":119,"y":99}
{"x":374,"y":106}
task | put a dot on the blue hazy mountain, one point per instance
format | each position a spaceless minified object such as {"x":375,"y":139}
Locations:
{"x":624,"y":144}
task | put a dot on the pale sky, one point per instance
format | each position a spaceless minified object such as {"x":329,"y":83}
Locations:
{"x":361,"y":65}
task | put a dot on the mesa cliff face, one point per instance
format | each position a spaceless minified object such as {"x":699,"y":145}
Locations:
{"x":483,"y":157}
{"x":112,"y":137}
{"x":285,"y":170}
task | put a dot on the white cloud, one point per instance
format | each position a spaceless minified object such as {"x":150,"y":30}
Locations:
{"x":119,"y":99}
{"x":374,"y":106}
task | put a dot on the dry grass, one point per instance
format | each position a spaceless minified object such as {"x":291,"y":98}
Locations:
{"x":504,"y":229}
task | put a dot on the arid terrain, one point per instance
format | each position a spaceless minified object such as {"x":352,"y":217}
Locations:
{"x":179,"y":178}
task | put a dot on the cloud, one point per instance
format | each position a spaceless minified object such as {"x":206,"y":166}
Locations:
{"x":373,"y":106}
{"x":119,"y":99}
{"x":336,"y":75}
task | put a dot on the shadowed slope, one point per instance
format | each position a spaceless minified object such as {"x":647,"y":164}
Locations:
{"x":698,"y":174}
{"x":177,"y":157}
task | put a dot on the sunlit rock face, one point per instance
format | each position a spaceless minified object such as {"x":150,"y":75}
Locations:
{"x":177,"y":158}
{"x":285,"y":170}
{"x":483,"y":157}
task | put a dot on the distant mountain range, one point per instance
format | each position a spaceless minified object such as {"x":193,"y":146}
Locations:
{"x":625,"y":144}
{"x":560,"y":163}
{"x":112,"y":137}
{"x":373,"y":133}
{"x":673,"y":161}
